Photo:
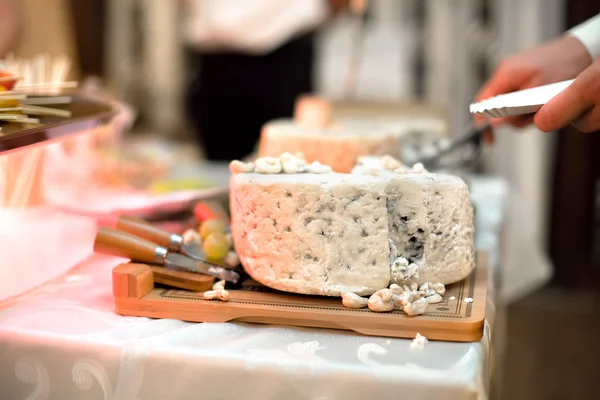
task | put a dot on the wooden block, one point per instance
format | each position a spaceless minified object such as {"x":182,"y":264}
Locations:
{"x":454,"y":319}
{"x":132,"y":280}
{"x":182,"y":279}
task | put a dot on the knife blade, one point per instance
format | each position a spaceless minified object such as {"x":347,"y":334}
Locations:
{"x":171,"y":241}
{"x":122,"y":244}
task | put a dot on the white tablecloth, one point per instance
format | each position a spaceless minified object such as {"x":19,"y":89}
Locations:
{"x":62,"y":341}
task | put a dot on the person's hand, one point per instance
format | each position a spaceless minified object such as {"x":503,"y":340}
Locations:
{"x":578,"y":104}
{"x":562,"y":59}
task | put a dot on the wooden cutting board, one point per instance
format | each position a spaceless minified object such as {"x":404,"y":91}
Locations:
{"x":454,"y":319}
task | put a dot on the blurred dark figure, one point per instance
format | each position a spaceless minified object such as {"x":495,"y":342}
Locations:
{"x":249,"y":61}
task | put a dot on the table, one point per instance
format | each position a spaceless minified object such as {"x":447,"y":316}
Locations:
{"x":62,"y":341}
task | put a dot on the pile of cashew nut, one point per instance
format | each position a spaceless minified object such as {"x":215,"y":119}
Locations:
{"x":413,"y":300}
{"x":287,"y":163}
{"x":218,"y":292}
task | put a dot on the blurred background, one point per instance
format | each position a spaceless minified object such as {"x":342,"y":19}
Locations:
{"x":436,"y":53}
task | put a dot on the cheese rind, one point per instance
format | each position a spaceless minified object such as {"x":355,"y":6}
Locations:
{"x":321,"y":234}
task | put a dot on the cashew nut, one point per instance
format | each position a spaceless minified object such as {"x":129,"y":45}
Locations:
{"x":403,"y":299}
{"x":222,"y":295}
{"x":268,"y":165}
{"x":229,"y":240}
{"x":417,"y":294}
{"x":439,"y":288}
{"x":396,"y":289}
{"x":390,"y":163}
{"x":381,"y":301}
{"x":418,"y":168}
{"x":318,"y":168}
{"x":352,"y":300}
{"x":220,"y":285}
{"x":414,"y":286}
{"x":232,"y":259}
{"x":191,"y":236}
{"x":292,"y":164}
{"x":417,"y":307}
{"x":238,"y":167}
{"x":434,"y":299}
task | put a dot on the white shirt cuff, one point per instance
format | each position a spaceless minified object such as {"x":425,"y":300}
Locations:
{"x":588,"y":34}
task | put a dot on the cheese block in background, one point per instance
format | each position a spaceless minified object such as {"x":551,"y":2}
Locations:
{"x":338,"y":148}
{"x":337,"y":133}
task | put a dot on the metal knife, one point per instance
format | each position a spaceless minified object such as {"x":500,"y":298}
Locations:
{"x":171,"y":241}
{"x":471,"y":141}
{"x":122,"y":244}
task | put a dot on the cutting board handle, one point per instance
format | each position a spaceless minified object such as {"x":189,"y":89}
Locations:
{"x":146,"y":230}
{"x":122,"y":244}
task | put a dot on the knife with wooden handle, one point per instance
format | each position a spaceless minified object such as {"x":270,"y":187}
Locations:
{"x":171,"y":241}
{"x":122,"y":244}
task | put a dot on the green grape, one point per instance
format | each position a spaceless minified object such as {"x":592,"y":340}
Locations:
{"x":211,"y":226}
{"x":216,"y":246}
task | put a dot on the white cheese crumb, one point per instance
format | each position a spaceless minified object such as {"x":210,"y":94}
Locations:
{"x":418,"y":342}
{"x":452,"y":298}
{"x":401,"y":268}
{"x":468,"y":300}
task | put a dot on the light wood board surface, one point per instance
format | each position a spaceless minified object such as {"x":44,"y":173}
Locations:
{"x":454,"y":319}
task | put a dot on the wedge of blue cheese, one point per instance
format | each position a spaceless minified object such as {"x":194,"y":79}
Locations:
{"x":324,"y":233}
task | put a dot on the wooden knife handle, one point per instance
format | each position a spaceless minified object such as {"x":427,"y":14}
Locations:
{"x":146,"y":230}
{"x":122,"y":244}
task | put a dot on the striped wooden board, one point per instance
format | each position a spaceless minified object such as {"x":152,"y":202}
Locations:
{"x":454,"y":319}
